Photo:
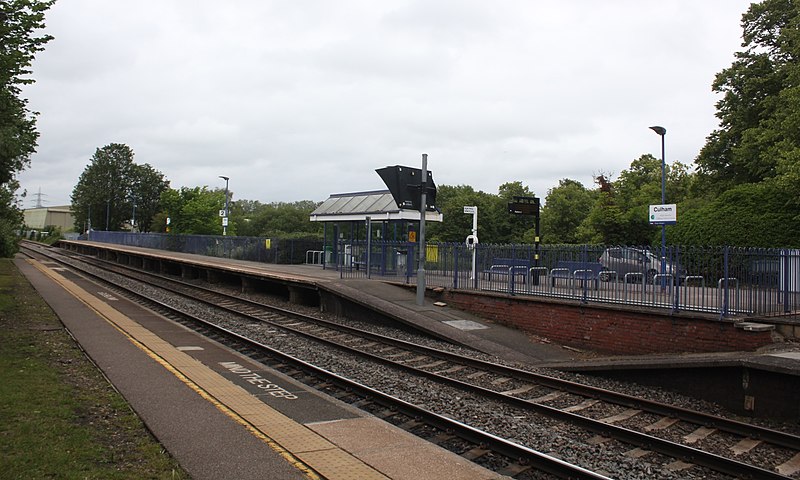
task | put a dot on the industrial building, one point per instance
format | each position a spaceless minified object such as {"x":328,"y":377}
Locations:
{"x":39,"y":218}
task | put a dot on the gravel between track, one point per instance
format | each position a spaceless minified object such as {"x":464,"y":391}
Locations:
{"x":548,"y":436}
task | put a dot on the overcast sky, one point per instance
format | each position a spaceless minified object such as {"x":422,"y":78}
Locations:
{"x":295,"y":100}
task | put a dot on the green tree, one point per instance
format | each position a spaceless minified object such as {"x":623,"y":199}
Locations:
{"x":11,"y":218}
{"x":193,"y":211}
{"x":638,"y":187}
{"x":110,"y":185}
{"x":457,"y":225}
{"x":620,"y":209}
{"x":605,"y":223}
{"x":738,"y":217}
{"x":19,"y":20}
{"x":278,"y":219}
{"x":511,"y":228}
{"x":144,"y":200}
{"x":245,"y":213}
{"x":758,"y":111}
{"x":566,"y":207}
{"x":18,"y":46}
{"x":495,"y":223}
{"x":749,"y":169}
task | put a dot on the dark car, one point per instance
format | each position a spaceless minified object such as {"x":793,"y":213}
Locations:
{"x":618,"y":261}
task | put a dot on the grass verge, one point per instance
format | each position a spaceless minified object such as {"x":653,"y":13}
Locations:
{"x":59,"y":417}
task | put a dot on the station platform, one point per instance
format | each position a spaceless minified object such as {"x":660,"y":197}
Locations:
{"x":398,"y":302}
{"x":391,"y":299}
{"x":210,"y":432}
{"x":208,"y":407}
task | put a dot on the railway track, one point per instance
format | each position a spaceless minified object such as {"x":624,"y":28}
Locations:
{"x":637,"y":428}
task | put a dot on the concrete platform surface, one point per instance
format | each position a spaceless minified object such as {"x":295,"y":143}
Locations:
{"x":204,"y":402}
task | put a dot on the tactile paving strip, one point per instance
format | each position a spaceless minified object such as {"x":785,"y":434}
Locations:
{"x":290,"y":438}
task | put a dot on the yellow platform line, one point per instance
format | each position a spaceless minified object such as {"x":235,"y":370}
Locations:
{"x":306,"y":450}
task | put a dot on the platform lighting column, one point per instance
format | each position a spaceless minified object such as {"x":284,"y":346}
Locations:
{"x":225,"y":217}
{"x":661,"y":131}
{"x":422,"y":209}
{"x":108,"y":204}
{"x":133,"y":216}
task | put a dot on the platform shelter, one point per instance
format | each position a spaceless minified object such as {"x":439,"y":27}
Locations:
{"x":351,"y":218}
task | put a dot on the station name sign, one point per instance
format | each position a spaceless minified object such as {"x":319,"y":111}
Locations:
{"x":663,"y":214}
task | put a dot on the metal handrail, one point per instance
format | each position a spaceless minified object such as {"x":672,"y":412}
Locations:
{"x":530,"y":275}
{"x":316,"y":257}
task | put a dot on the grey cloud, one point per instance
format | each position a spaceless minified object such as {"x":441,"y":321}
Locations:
{"x":296,"y":100}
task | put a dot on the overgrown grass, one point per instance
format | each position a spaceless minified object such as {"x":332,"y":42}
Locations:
{"x":59,"y":418}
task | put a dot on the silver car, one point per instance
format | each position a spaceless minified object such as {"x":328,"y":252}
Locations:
{"x":639,"y":263}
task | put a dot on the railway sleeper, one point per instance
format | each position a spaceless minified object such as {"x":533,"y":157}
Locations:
{"x":475,"y":453}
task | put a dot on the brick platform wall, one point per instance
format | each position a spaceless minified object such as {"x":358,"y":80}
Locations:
{"x":609,"y":330}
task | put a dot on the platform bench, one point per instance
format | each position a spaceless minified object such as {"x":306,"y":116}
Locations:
{"x":504,"y":266}
{"x":580,"y":271}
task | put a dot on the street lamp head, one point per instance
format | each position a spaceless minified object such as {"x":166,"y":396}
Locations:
{"x":659,"y":130}
{"x":224,"y":177}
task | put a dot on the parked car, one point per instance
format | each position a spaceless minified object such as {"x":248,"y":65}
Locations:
{"x":618,"y":261}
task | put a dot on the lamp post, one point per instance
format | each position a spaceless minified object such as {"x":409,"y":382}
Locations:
{"x":108,"y":203}
{"x":661,"y":131}
{"x":225,"y":218}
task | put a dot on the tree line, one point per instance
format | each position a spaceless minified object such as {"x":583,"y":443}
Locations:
{"x":115,"y":193}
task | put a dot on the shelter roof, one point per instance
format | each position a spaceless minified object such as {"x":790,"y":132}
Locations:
{"x":378,"y":205}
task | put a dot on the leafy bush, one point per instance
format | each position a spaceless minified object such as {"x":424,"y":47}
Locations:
{"x":748,"y":215}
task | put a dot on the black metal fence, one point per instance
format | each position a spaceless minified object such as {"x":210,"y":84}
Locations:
{"x":724,"y":280}
{"x":255,"y":249}
{"x":728,"y":281}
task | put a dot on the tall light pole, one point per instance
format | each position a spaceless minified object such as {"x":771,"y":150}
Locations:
{"x":662,"y":132}
{"x":225,"y":218}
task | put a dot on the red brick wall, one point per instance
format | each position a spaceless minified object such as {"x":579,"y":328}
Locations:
{"x":610,"y":330}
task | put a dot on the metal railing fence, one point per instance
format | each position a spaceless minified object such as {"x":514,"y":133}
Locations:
{"x":255,"y":249}
{"x":728,"y":281}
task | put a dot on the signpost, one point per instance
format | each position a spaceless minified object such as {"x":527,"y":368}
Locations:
{"x":413,"y":189}
{"x":472,"y":240}
{"x":529,"y":206}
